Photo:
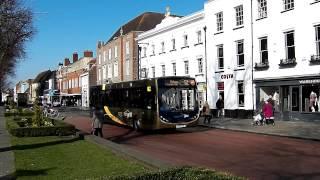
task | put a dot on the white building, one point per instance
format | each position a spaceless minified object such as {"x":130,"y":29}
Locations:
{"x":175,"y":47}
{"x":286,"y":48}
{"x":280,"y":40}
{"x":229,"y":56}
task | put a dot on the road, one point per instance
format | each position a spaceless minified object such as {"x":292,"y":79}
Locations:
{"x":244,"y":154}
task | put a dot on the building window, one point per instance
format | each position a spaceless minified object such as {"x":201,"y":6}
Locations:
{"x":153,"y":71}
{"x":186,"y":67}
{"x":240,"y":94}
{"x":127,"y":67}
{"x":99,"y":59}
{"x":109,"y":71}
{"x":239,"y":15}
{"x":127,"y":48}
{"x":173,"y":41}
{"x":219,"y":21}
{"x":162,"y":47}
{"x":104,"y":72}
{"x":288,"y":4}
{"x":115,"y":51}
{"x":144,"y":51}
{"x":70,"y":84}
{"x":163,"y":70}
{"x":109,"y":53}
{"x":115,"y":69}
{"x":153,"y":50}
{"x":318,"y":39}
{"x":199,"y":37}
{"x":143,"y":72}
{"x":185,"y":41}
{"x":99,"y":74}
{"x":240,"y":53}
{"x":174,"y":69}
{"x":262,"y":9}
{"x":200,"y":65}
{"x":104,"y":56}
{"x":290,"y":49}
{"x":264,"y":50}
{"x":220,"y":56}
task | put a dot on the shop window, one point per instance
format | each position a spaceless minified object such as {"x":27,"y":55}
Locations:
{"x":310,"y":98}
{"x":295,"y":100}
{"x":240,"y":94}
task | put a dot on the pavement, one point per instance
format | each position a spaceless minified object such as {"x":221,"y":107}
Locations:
{"x":294,"y":129}
{"x":7,"y":168}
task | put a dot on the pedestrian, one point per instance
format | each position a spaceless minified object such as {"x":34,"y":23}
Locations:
{"x":220,"y":106}
{"x":268,"y":112}
{"x":97,"y":124}
{"x":206,"y":113}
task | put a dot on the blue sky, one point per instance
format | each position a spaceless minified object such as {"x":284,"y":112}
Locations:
{"x":67,"y":26}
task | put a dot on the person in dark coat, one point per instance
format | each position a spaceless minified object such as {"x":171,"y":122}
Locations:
{"x":220,"y":106}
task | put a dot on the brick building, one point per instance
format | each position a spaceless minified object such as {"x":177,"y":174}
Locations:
{"x":68,"y":78}
{"x":117,"y":59}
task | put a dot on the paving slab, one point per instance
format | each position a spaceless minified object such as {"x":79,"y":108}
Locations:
{"x":295,"y":129}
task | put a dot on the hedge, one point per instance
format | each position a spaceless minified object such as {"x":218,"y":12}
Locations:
{"x":7,"y":114}
{"x":180,"y":174}
{"x":60,"y":128}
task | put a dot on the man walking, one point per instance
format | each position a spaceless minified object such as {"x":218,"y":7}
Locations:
{"x":220,"y":106}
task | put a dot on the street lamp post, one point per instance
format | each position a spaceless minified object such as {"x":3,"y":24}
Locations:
{"x":205,"y":56}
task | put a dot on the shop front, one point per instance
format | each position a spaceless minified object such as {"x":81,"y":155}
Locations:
{"x":294,"y":98}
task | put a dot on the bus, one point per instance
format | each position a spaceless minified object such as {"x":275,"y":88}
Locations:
{"x":157,"y":103}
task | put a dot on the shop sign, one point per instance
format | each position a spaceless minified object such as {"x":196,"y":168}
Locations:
{"x":310,"y":81}
{"x":226,"y":76}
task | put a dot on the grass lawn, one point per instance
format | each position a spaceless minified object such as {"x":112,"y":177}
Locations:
{"x":64,"y":158}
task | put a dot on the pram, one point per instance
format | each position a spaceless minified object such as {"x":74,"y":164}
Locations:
{"x":258,"y":120}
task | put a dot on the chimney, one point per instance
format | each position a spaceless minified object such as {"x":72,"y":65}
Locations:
{"x":75,"y":57}
{"x":88,"y":54}
{"x":66,"y":61}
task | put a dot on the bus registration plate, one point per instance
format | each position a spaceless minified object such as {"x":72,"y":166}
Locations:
{"x":180,"y":126}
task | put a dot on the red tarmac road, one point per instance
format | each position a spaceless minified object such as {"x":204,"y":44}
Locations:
{"x":244,"y":154}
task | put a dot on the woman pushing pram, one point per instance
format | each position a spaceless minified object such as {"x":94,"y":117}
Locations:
{"x":265,"y":113}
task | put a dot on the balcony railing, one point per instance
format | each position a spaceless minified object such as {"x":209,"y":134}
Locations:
{"x":287,"y":62}
{"x":315,"y":59}
{"x":261,"y":65}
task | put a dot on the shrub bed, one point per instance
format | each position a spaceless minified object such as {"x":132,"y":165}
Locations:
{"x":27,"y":113}
{"x":180,"y":174}
{"x":59,"y":128}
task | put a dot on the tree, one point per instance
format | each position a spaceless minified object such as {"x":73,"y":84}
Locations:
{"x":16,"y":28}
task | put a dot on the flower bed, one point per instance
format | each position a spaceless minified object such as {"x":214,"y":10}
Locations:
{"x":23,"y":128}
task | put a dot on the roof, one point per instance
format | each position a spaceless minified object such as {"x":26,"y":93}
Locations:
{"x":43,"y":76}
{"x":143,"y":22}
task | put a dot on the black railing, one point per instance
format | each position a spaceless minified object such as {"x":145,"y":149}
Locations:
{"x":288,"y":62}
{"x":261,"y":65}
{"x":315,"y":59}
